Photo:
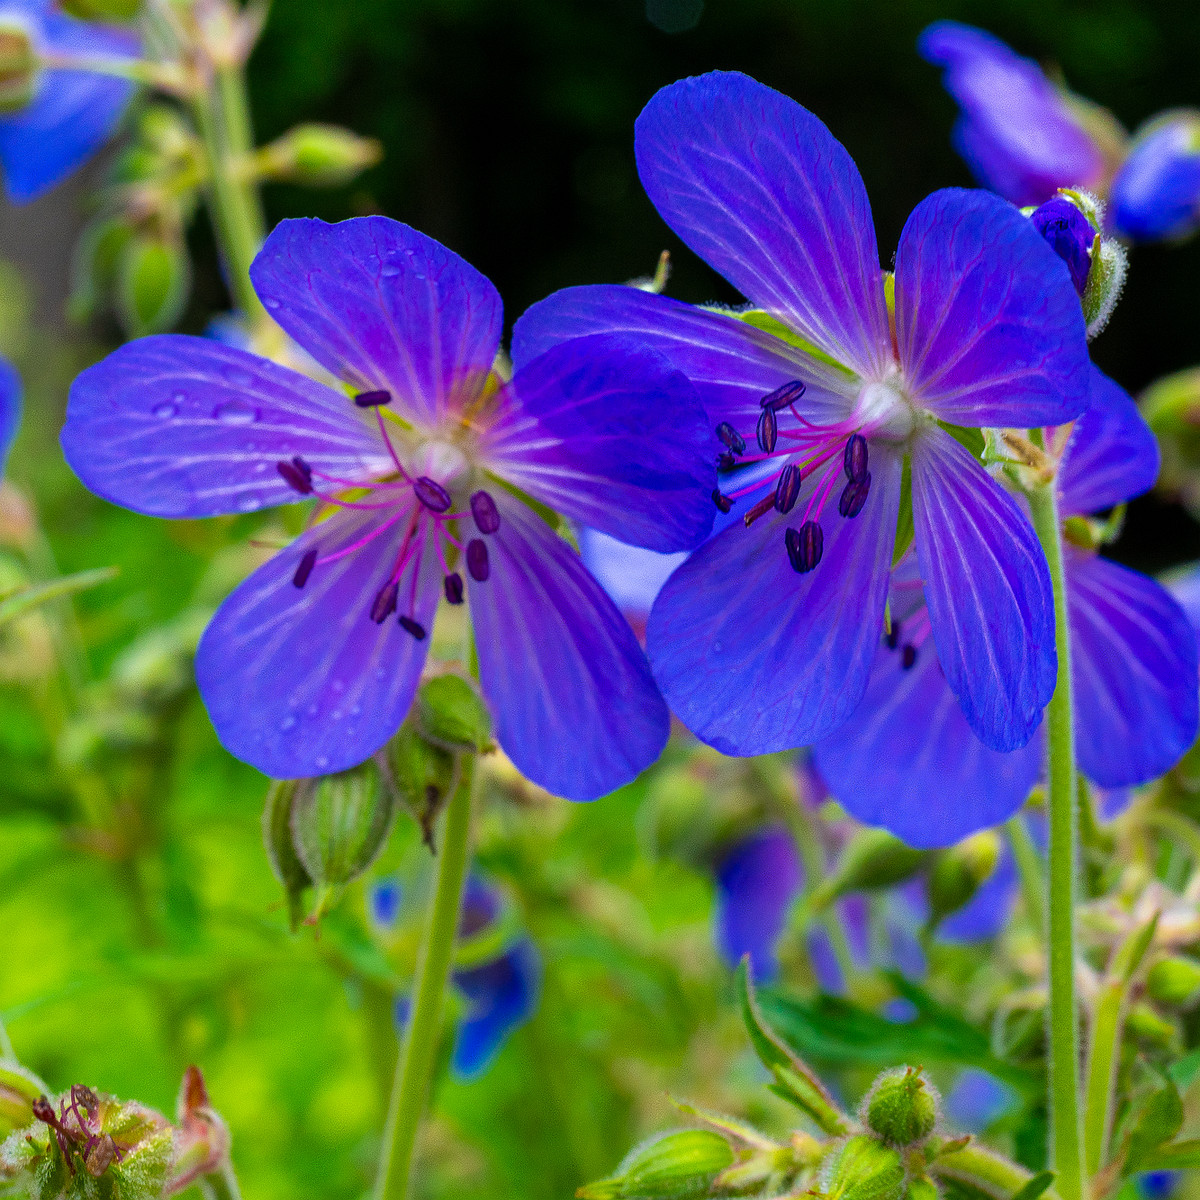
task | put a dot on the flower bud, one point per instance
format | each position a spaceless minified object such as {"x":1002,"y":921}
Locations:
{"x":423,"y":774}
{"x":202,"y":1138}
{"x":318,"y":156}
{"x":451,"y":712}
{"x":1171,"y":406}
{"x":1156,"y":193}
{"x":1174,"y":981}
{"x":901,"y":1107}
{"x":18,"y":65}
{"x":154,"y":277}
{"x":861,"y":1168}
{"x":959,"y":871}
{"x":923,"y":1188}
{"x":19,"y":1089}
{"x":102,"y":10}
{"x":674,"y":1165}
{"x":281,"y":853}
{"x":873,"y":859}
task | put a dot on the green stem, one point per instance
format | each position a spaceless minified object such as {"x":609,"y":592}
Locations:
{"x":987,"y":1172}
{"x":1107,"y":1019}
{"x":6,"y":1046}
{"x":222,"y":1185}
{"x":414,"y":1068}
{"x":1029,"y":870}
{"x":1066,"y":1130}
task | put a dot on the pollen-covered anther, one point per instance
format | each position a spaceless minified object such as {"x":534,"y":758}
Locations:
{"x":731,"y":438}
{"x":376,"y":399}
{"x":305,"y":569}
{"x":485,"y":512}
{"x":722,"y":501}
{"x":297,"y":474}
{"x":805,"y":546}
{"x":431,"y":494}
{"x":783,"y":396}
{"x":413,"y":627}
{"x":855,"y":457}
{"x":385,"y":603}
{"x":452,"y":585}
{"x":908,"y":656}
{"x":767,"y":431}
{"x":854,"y":496}
{"x":787,"y":489}
{"x":477,"y":560}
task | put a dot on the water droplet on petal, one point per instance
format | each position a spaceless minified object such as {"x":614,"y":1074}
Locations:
{"x":235,"y":412}
{"x":238,"y":376}
{"x":164,"y":411}
{"x":271,"y":302}
{"x":312,"y":710}
{"x":322,"y":763}
{"x":288,"y":722}
{"x":390,"y":270}
{"x":249,"y":502}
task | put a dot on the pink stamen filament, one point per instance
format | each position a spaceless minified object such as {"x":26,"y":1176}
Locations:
{"x":821,"y":494}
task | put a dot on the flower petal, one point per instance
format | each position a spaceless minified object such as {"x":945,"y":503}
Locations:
{"x":1112,"y":455}
{"x":1016,"y":132}
{"x":383,"y":306}
{"x":731,"y":363}
{"x":988,"y":324}
{"x":908,"y":761}
{"x":763,"y":192}
{"x":631,"y":575}
{"x":11,"y":402}
{"x":1135,"y":672}
{"x":72,"y":113}
{"x":571,"y":694}
{"x":301,"y":681}
{"x":613,"y":436}
{"x":179,"y":426}
{"x":757,"y":881}
{"x":1156,"y":193}
{"x":987,"y":588}
{"x":755,"y":658}
{"x":501,"y":996}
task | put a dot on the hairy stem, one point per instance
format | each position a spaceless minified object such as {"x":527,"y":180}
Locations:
{"x":986,"y":1171}
{"x":1029,"y":870}
{"x":414,"y":1068}
{"x":1066,"y":1129}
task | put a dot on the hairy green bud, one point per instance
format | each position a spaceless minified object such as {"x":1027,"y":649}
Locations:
{"x":959,"y":871}
{"x":862,"y":1168}
{"x":318,"y":156}
{"x":154,"y":277}
{"x":1174,"y":981}
{"x":451,"y":712}
{"x":901,"y":1107}
{"x":675,"y":1166}
{"x":873,"y":859}
{"x":19,"y":1089}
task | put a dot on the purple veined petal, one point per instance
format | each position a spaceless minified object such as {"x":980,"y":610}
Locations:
{"x":383,"y":307}
{"x":72,"y":113}
{"x":988,"y":324}
{"x":1156,"y":193}
{"x":990,"y":909}
{"x":178,"y":426}
{"x":11,"y":402}
{"x":614,"y":437}
{"x":757,"y":881}
{"x":987,"y":588}
{"x":1112,"y":455}
{"x":574,"y":703}
{"x":301,"y":681}
{"x":763,"y":192}
{"x":731,"y":363}
{"x":1017,"y":132}
{"x":1135,"y":667}
{"x":907,"y":760}
{"x":501,"y":996}
{"x":631,"y":575}
{"x":755,"y":658}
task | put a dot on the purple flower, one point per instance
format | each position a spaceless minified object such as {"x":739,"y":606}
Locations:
{"x":312,"y":663}
{"x":976,"y":1100}
{"x":1156,"y":193}
{"x":764,"y":638}
{"x":1017,"y":131}
{"x":10,"y":408}
{"x":1070,"y":235}
{"x":73,"y":111}
{"x":1133,"y":655}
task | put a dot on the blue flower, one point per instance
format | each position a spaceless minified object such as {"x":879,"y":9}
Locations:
{"x":1156,"y":193}
{"x":417,"y":479}
{"x":1133,"y":656}
{"x":976,"y":1100}
{"x":72,"y":112}
{"x":763,"y":639}
{"x":10,"y":408}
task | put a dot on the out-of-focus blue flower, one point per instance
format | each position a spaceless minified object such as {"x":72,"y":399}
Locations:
{"x":11,"y":393}
{"x":306,"y":669}
{"x":499,"y":995}
{"x":72,"y":112}
{"x":763,"y":639}
{"x":1017,"y":131}
{"x":1133,"y":654}
{"x":1156,"y":193}
{"x":1157,"y":1185}
{"x":976,"y":1101}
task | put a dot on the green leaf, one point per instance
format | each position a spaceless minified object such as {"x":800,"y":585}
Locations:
{"x":1184,"y":1072}
{"x":1157,"y":1121}
{"x":21,"y":602}
{"x":671,"y":1167}
{"x":1035,"y":1187}
{"x":1172,"y":1157}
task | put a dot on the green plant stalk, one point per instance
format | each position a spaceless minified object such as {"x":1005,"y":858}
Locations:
{"x":987,"y":1172}
{"x":222,"y":1185}
{"x":1029,"y":870}
{"x":414,"y":1067}
{"x":1108,"y":1018}
{"x":1066,"y":1129}
{"x":6,"y":1046}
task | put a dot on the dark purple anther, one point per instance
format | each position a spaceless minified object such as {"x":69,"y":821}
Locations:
{"x":431,"y":494}
{"x":854,"y":496}
{"x":385,"y":603}
{"x":805,"y":546}
{"x":722,"y":502}
{"x":477,"y":560}
{"x":413,"y":627}
{"x":731,"y":438}
{"x":726,"y":461}
{"x":453,"y":586}
{"x":908,"y":656}
{"x":373,"y":399}
{"x":768,"y":430}
{"x":304,"y":570}
{"x":892,"y":637}
{"x":485,"y":512}
{"x":1070,"y":235}
{"x":855,"y":458}
{"x":297,"y":474}
{"x":788,"y":488}
{"x":781,"y":397}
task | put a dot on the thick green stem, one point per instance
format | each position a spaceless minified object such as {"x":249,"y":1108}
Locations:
{"x":223,"y":119}
{"x":1029,"y":871}
{"x":1066,"y":1130}
{"x":987,"y":1172}
{"x":414,"y":1068}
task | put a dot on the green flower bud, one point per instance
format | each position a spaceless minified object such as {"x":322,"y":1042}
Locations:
{"x":1110,"y":264}
{"x":1171,"y":406}
{"x":102,"y":10}
{"x":1146,"y":1025}
{"x":202,"y":1140}
{"x":423,"y":774}
{"x":154,"y":277}
{"x":18,"y":65}
{"x":861,"y":1168}
{"x":959,"y":871}
{"x":281,"y":853}
{"x":1174,"y":981}
{"x":874,"y":859}
{"x":673,"y":1166}
{"x":94,"y":265}
{"x":450,"y":712}
{"x":901,"y":1107}
{"x":19,"y":1089}
{"x":318,"y":156}
{"x":923,"y":1188}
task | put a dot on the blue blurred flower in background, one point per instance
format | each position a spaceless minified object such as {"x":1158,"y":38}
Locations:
{"x":11,"y":393}
{"x":71,"y":112}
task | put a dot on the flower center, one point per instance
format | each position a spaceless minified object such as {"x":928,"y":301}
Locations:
{"x":885,"y":409}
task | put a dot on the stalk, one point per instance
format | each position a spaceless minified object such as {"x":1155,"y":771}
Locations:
{"x":1029,"y":871}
